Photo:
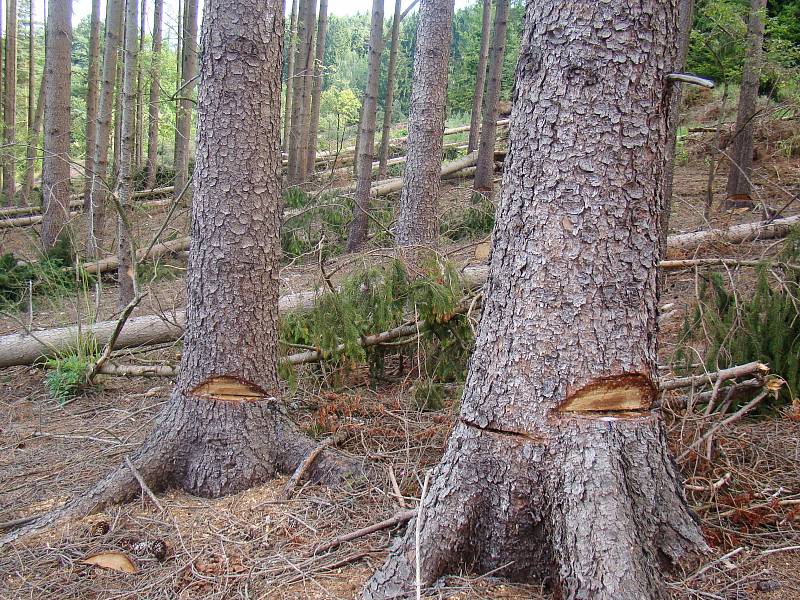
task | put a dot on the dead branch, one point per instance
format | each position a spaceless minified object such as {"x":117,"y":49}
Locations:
{"x":401,"y":517}
{"x":730,"y":373}
{"x":308,"y":461}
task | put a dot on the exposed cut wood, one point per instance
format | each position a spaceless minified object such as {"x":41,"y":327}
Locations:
{"x":627,"y":392}
{"x":229,"y":389}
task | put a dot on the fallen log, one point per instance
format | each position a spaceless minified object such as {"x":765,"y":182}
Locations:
{"x":23,"y":349}
{"x":752,"y":368}
{"x":6,"y":223}
{"x":762,"y":230}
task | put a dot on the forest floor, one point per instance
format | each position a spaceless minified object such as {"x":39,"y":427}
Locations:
{"x":257,"y":545}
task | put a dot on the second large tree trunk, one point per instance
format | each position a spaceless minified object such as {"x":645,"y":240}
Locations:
{"x":366,"y":139}
{"x":558,"y":468}
{"x":484,"y":170}
{"x":739,"y":187}
{"x":417,"y":226}
{"x":57,"y":74}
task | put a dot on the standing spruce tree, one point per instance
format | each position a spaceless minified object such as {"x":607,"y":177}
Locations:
{"x":558,"y":467}
{"x":480,"y":78}
{"x":316,"y":100}
{"x":155,"y":95}
{"x":366,"y":138}
{"x":35,"y":114}
{"x":126,"y":275}
{"x":57,"y":75}
{"x":739,"y":189}
{"x":10,"y":104}
{"x":223,"y":430}
{"x":383,"y":156}
{"x":95,"y":210}
{"x":183,"y":116}
{"x":484,"y":169}
{"x":290,"y":58}
{"x":417,"y":226}
{"x":92,"y":85}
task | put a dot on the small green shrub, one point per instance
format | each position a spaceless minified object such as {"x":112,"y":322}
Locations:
{"x":329,"y":217}
{"x":67,"y":376}
{"x":428,"y":395}
{"x":52,"y":275}
{"x":474,"y":221}
{"x":761,"y":326}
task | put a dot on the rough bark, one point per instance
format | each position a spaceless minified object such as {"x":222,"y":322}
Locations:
{"x":290,"y":59}
{"x":57,"y":74}
{"x":388,"y":103}
{"x":183,"y":125}
{"x":316,"y":99}
{"x":140,"y":93}
{"x":95,"y":213}
{"x":739,"y":189}
{"x":155,"y":96}
{"x":92,"y":85}
{"x":685,"y":21}
{"x":484,"y":170}
{"x":126,"y":276}
{"x":480,"y":78}
{"x":417,"y":225}
{"x":222,"y":430}
{"x":10,"y":105}
{"x":558,"y":468}
{"x":366,"y":140}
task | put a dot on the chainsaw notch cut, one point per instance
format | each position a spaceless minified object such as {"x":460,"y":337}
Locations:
{"x":229,"y":389}
{"x":629,"y":392}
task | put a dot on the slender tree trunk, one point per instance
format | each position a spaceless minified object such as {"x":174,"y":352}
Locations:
{"x":10,"y":104}
{"x":480,"y":78}
{"x":558,"y":468}
{"x":140,"y":93}
{"x":155,"y":96}
{"x":739,"y":188}
{"x":126,"y":275}
{"x":179,"y":54}
{"x":92,"y":85}
{"x":57,"y":74}
{"x":484,"y":170}
{"x":313,"y":130}
{"x":33,"y":145}
{"x":366,"y":142}
{"x":118,"y":115}
{"x":95,"y":215}
{"x":417,"y":226}
{"x":223,"y":429}
{"x":31,"y":64}
{"x":184,"y":114}
{"x":290,"y":59}
{"x":388,"y":103}
{"x":685,"y":21}
{"x":305,"y":98}
{"x":293,"y":166}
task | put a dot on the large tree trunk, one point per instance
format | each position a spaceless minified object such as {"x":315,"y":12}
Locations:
{"x":140,"y":93}
{"x":155,"y":96}
{"x":558,"y":468}
{"x":95,"y":213}
{"x":316,"y":100}
{"x":739,"y":187}
{"x":383,"y":167}
{"x":366,"y":139}
{"x":480,"y":78}
{"x":92,"y":77}
{"x":484,"y":170}
{"x":685,"y":21}
{"x":126,"y":275}
{"x":290,"y":61}
{"x":10,"y":104}
{"x":57,"y":74}
{"x":223,"y":429}
{"x":183,"y":126}
{"x":417,"y":226}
